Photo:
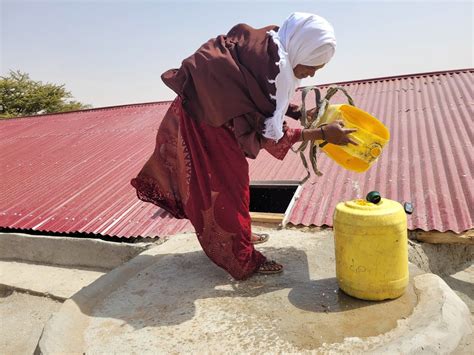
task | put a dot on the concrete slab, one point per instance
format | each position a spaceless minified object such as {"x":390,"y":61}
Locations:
{"x":454,"y":264}
{"x":67,"y":251}
{"x":439,"y":324}
{"x":59,"y":283}
{"x":173,"y":299}
{"x":22,"y":320}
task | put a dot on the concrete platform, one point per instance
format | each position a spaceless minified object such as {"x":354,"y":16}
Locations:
{"x":38,"y":273}
{"x":67,"y":251}
{"x":22,"y":318}
{"x":58,"y":283}
{"x":171,"y":299}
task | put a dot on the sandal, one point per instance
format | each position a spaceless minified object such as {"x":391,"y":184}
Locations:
{"x":270,"y":267}
{"x":261,"y":238}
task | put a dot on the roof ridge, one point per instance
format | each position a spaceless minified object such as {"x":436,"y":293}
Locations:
{"x":395,"y":77}
{"x":104,"y":108}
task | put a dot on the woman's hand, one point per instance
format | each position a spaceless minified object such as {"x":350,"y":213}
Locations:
{"x":335,"y":133}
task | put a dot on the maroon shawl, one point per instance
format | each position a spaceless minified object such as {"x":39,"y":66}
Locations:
{"x":228,"y":76}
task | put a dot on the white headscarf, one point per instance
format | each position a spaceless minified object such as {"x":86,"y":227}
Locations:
{"x":305,"y":39}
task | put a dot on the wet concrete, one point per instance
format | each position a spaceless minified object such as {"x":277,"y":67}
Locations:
{"x":180,"y":301}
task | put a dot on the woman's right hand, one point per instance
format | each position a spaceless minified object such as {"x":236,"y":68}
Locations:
{"x":335,"y":133}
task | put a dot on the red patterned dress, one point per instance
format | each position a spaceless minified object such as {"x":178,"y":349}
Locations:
{"x":199,"y":171}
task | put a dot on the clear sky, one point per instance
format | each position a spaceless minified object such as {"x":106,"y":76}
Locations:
{"x":113,"y":52}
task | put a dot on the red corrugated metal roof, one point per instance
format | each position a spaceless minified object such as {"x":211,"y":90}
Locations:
{"x":70,"y":172}
{"x":427,"y":162}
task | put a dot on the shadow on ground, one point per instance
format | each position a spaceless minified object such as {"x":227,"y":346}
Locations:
{"x":166,"y":292}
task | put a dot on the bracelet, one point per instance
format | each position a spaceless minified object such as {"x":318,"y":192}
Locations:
{"x":302,"y":135}
{"x":322,"y":133}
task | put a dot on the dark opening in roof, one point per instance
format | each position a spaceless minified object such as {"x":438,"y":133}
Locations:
{"x":271,"y":197}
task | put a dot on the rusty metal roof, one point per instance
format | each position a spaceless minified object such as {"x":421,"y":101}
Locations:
{"x":70,"y":172}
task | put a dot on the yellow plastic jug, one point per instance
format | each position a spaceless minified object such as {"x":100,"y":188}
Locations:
{"x":371,"y":249}
{"x":371,"y":135}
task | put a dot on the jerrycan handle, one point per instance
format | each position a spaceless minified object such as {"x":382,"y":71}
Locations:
{"x":332,"y":90}
{"x":317,"y":97}
{"x":321,"y":107}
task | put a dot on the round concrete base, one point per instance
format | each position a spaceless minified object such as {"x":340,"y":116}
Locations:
{"x":171,"y":298}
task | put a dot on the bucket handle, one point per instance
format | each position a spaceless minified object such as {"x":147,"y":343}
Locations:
{"x":321,"y":107}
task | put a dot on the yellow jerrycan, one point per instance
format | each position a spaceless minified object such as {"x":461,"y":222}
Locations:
{"x":371,"y":248}
{"x":371,"y":136}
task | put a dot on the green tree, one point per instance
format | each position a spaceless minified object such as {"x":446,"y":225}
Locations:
{"x":22,"y":96}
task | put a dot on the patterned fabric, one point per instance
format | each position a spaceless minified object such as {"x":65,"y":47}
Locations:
{"x":199,"y":172}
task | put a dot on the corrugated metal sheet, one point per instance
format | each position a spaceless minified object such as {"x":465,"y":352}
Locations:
{"x":70,"y":172}
{"x":428,"y":161}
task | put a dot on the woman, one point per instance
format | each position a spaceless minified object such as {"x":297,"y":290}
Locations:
{"x":232,"y":95}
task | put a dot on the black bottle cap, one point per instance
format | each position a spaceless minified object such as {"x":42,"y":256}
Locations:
{"x":374,"y":197}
